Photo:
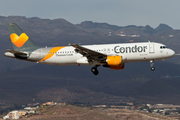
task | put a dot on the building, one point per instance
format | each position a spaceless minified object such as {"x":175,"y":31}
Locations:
{"x":48,"y":103}
{"x":12,"y":115}
{"x":22,"y":113}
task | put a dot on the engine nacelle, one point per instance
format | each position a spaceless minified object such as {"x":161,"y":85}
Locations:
{"x":119,"y":67}
{"x":114,"y":60}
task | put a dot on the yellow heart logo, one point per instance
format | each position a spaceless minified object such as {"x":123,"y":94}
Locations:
{"x":19,"y":40}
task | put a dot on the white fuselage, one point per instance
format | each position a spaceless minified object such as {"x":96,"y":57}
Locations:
{"x":112,"y":56}
{"x":130,"y":52}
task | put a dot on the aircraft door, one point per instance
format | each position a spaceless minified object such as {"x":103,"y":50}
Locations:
{"x":39,"y":52}
{"x":151,"y":47}
{"x":108,"y":50}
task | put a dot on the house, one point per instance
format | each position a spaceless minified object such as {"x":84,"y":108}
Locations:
{"x":48,"y":103}
{"x":12,"y":115}
{"x":22,"y":113}
{"x":134,"y":107}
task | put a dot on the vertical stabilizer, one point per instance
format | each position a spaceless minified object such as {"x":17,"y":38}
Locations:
{"x":19,"y":39}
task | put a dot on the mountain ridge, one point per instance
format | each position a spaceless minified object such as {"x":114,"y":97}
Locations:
{"x":21,"y":80}
{"x":105,"y":27}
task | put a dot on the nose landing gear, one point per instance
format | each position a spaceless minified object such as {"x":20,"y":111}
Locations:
{"x":94,"y":70}
{"x":152,"y":65}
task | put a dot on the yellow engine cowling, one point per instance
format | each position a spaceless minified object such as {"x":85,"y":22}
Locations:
{"x":115,"y":62}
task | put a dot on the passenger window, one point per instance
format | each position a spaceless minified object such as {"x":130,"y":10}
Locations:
{"x":163,"y":47}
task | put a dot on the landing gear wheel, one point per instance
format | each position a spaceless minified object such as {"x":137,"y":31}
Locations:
{"x":95,"y":71}
{"x":153,"y":68}
{"x":152,"y":65}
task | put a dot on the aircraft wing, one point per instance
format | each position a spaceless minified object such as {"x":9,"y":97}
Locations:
{"x":90,"y":54}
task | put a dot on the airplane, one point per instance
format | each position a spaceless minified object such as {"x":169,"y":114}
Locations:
{"x":113,"y":56}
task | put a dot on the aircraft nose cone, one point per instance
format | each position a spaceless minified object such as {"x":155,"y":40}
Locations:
{"x":172,"y":53}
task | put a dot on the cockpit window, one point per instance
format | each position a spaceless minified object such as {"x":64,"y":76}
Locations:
{"x":163,"y":47}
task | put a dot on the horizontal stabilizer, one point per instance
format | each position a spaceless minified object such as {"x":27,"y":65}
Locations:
{"x":16,"y":52}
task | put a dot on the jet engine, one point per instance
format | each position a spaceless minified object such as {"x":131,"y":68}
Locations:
{"x":119,"y":67}
{"x":114,"y":62}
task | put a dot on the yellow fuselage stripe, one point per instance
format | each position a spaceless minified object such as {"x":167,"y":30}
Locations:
{"x":51,"y":53}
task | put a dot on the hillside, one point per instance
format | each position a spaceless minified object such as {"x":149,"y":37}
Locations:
{"x":69,"y":112}
{"x":21,"y":80}
{"x":73,"y":83}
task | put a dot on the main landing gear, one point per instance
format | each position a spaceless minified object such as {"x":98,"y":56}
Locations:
{"x":152,"y":65}
{"x":94,"y":70}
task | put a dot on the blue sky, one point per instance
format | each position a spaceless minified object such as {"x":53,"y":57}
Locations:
{"x":116,"y":12}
